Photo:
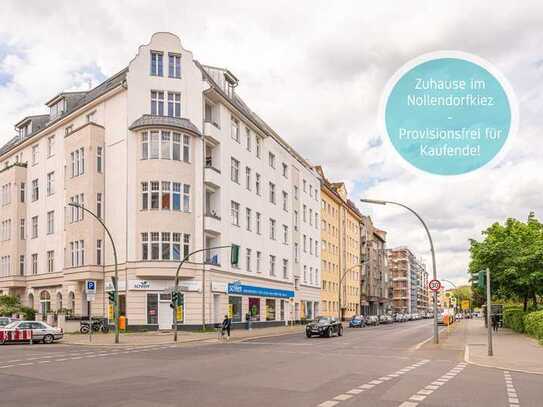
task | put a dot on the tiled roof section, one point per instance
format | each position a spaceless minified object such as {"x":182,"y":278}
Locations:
{"x":78,"y":100}
{"x":148,"y":120}
{"x":255,"y":118}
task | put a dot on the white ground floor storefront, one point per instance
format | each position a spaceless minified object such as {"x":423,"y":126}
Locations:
{"x":207,"y":296}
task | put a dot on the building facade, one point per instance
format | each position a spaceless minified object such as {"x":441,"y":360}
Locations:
{"x":172,"y":160}
{"x":340,"y":254}
{"x":409,"y":281}
{"x":375,"y":279}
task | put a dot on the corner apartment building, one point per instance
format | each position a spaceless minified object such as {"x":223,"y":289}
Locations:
{"x":340,"y":254}
{"x":408,"y":276}
{"x":172,"y":160}
{"x":375,"y":278}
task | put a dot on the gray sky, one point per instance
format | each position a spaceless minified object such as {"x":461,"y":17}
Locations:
{"x":315,"y":72}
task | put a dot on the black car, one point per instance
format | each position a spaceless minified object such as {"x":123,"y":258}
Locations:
{"x":324,"y":326}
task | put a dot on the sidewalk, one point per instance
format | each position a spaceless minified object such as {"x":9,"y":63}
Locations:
{"x":512,"y":351}
{"x":161,"y":337}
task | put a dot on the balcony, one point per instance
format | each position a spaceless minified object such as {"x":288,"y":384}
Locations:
{"x":212,"y":132}
{"x":212,"y":176}
{"x":13,"y":281}
{"x":212,"y":224}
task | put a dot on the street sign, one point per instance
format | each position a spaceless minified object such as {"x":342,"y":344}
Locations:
{"x":90,"y":289}
{"x":465,"y":304}
{"x":434,"y":285}
{"x":179,"y":313}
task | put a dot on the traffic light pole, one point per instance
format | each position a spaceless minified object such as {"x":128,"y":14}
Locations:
{"x":116,"y":285}
{"x":176,"y":282}
{"x":488,"y":312}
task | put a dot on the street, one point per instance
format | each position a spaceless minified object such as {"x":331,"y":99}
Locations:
{"x":388,"y":365}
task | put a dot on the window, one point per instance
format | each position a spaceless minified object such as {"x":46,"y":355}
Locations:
{"x":174,"y":104}
{"x":234,"y":170}
{"x":235,"y":213}
{"x":78,"y":162}
{"x":248,"y":259}
{"x":310,"y":245}
{"x":272,"y":265}
{"x":155,"y":194}
{"x":164,"y":145}
{"x":174,"y":65}
{"x":35,"y":154}
{"x":258,"y":146}
{"x":34,"y":263}
{"x":50,"y":222}
{"x":144,"y":196}
{"x":186,"y":198}
{"x":6,"y":194}
{"x":76,"y":213}
{"x":296,"y":253}
{"x":258,"y":261}
{"x":164,"y":245}
{"x":157,"y":103}
{"x":22,"y":192}
{"x":50,"y":183}
{"x":272,"y":192}
{"x":99,"y":159}
{"x":272,"y":229}
{"x":271,"y":159}
{"x":68,"y":129}
{"x":21,"y":265}
{"x":156,"y":63}
{"x":311,"y":216}
{"x":5,"y":231}
{"x":176,"y":196}
{"x":99,"y":204}
{"x":22,"y":229}
{"x":50,"y":261}
{"x":35,"y":190}
{"x":295,"y":220}
{"x":258,"y":218}
{"x":51,"y":146}
{"x":186,"y":245}
{"x":248,"y":218}
{"x":234,"y":129}
{"x":296,"y":192}
{"x":285,"y":201}
{"x":248,"y":139}
{"x":99,"y":252}
{"x":305,"y":213}
{"x":305,"y":274}
{"x":166,"y":195}
{"x":305,"y":185}
{"x":77,"y":252}
{"x":186,"y":147}
{"x":90,"y":117}
{"x":34,"y":227}
{"x":285,"y":269}
{"x":305,"y":243}
{"x":285,"y":170}
{"x":248,"y":178}
{"x":257,"y":183}
{"x":285,"y":234}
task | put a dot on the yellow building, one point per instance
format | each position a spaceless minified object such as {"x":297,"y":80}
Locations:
{"x":340,"y":251}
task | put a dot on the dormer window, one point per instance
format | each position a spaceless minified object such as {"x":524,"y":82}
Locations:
{"x":57,"y":109}
{"x":156,"y":63}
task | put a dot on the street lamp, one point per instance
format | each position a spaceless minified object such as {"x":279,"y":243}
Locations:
{"x":434,"y":295}
{"x":116,"y":285}
{"x":340,"y":282}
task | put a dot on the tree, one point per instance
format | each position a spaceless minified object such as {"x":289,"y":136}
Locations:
{"x":514,"y":254}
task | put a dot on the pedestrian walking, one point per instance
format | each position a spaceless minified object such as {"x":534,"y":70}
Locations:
{"x":226,"y":325}
{"x":495,"y":323}
{"x":248,"y":318}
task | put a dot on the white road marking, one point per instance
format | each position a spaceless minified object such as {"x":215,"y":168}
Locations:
{"x":355,"y":391}
{"x":343,"y":397}
{"x":367,"y":386}
{"x":417,"y":397}
{"x":376,"y":382}
{"x":408,"y":404}
{"x":328,"y":403}
{"x":7,"y":366}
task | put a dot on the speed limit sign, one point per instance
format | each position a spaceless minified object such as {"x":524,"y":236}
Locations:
{"x":434,"y":285}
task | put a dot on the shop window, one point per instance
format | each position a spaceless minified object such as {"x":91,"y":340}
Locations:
{"x":270,"y":310}
{"x":254,"y":308}
{"x":152,"y":309}
{"x":235,"y":304}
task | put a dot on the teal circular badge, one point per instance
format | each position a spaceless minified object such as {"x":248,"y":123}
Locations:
{"x":447,"y":114}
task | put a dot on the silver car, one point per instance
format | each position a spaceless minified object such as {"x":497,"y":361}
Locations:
{"x":40,"y":330}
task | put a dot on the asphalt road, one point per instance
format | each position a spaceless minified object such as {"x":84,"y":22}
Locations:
{"x":375,"y":366}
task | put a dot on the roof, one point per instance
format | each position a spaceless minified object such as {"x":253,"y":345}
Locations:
{"x":80,"y":100}
{"x":148,"y":120}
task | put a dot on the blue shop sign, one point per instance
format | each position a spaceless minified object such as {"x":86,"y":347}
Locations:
{"x":242,"y":289}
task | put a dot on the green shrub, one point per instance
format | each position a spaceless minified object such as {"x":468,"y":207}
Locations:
{"x":514,"y":318}
{"x":533,"y":324}
{"x":29,"y":313}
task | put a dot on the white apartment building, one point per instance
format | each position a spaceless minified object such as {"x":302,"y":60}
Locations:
{"x":172,"y":160}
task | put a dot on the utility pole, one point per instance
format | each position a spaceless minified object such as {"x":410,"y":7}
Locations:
{"x":488,"y":313}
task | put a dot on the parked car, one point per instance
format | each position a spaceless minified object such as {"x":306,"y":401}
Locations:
{"x":324,"y":326}
{"x":5,"y":321}
{"x":40,"y":330}
{"x":372,"y":320}
{"x":357,"y":321}
{"x":385,"y":319}
{"x":459,"y":316}
{"x":398,"y":318}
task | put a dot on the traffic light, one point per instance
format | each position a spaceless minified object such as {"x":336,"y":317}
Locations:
{"x":177,"y":299}
{"x":481,"y":280}
{"x":234,"y":255}
{"x":111,"y":296}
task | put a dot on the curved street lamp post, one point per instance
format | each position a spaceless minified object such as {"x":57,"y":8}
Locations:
{"x":340,"y":283}
{"x":434,"y":275}
{"x":116,"y":282}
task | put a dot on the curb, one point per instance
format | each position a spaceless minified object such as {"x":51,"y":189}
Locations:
{"x":467,"y":360}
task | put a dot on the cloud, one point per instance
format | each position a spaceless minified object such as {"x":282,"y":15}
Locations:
{"x":315,"y":72}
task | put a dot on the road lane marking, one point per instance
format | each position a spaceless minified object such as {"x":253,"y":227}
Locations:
{"x":426,"y":391}
{"x":328,"y":403}
{"x":512,"y":395}
{"x":343,"y":397}
{"x":355,"y":391}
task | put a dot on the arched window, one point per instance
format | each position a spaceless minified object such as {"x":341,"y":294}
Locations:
{"x":31,"y":300}
{"x":71,"y":301}
{"x":45,"y":302}
{"x":59,"y":301}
